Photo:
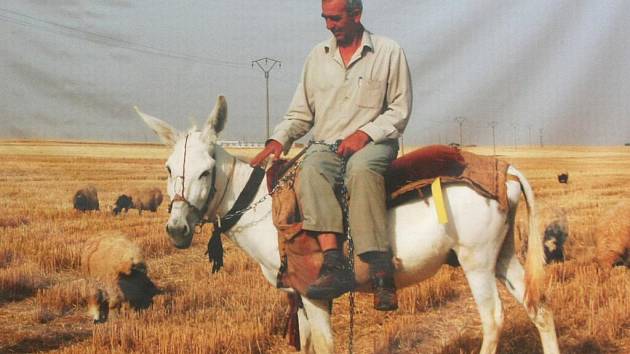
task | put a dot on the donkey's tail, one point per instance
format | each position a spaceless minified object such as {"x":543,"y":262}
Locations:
{"x":534,"y":264}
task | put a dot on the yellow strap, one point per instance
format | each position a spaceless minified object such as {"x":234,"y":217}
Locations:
{"x":436,"y":189}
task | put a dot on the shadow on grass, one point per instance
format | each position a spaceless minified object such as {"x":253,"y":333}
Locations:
{"x":46,"y":342}
{"x":16,"y":295}
{"x":519,"y":338}
{"x":591,"y":345}
{"x":523,"y":338}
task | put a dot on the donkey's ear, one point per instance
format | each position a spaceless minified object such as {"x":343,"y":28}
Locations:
{"x":167,"y":134}
{"x":216,"y":120}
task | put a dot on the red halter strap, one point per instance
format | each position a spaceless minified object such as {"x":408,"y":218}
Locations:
{"x":179,"y":197}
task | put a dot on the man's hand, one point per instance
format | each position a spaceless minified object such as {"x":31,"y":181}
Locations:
{"x":272,"y":147}
{"x":353,"y":143}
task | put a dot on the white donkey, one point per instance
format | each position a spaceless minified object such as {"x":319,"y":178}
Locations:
{"x":476,"y":231}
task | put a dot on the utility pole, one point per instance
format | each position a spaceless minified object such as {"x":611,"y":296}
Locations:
{"x":460,"y":120}
{"x":515,"y":135}
{"x":540,"y":134}
{"x":493,"y":125}
{"x":529,"y":129}
{"x":402,"y":146}
{"x":266,"y":65}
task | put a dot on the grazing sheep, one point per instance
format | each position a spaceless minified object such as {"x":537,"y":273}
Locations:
{"x":613,"y":237}
{"x":86,"y":199}
{"x":123,"y":202}
{"x":556,"y":233}
{"x":98,"y":305}
{"x":146,"y":199}
{"x":118,"y":267}
{"x":563,"y":177}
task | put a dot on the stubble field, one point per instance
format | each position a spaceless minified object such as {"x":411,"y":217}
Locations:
{"x":235,"y":310}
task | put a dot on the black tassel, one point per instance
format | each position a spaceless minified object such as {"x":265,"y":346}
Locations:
{"x":215,"y":249}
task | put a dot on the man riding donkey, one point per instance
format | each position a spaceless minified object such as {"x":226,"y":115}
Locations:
{"x":355,"y":88}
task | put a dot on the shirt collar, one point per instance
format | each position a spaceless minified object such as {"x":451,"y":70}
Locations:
{"x":366,"y":42}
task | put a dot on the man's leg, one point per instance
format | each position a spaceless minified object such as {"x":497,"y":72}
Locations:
{"x":368,"y":217}
{"x":323,"y":220}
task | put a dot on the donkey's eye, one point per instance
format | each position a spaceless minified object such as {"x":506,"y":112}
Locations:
{"x":204,"y":174}
{"x":168,"y":169}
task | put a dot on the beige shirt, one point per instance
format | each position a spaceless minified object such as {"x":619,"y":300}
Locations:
{"x":372,"y":94}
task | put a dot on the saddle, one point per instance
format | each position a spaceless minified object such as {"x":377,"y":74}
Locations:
{"x":408,"y":178}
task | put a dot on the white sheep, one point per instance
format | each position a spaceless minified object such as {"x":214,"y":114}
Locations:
{"x":117,"y":267}
{"x":613,"y":236}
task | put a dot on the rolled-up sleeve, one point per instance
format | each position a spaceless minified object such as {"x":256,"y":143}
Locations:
{"x":391,"y":123}
{"x":299,"y":117}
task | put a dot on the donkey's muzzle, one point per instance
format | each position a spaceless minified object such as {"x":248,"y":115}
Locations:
{"x":180,"y":234}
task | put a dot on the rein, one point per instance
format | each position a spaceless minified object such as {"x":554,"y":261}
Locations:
{"x":204,"y":220}
{"x":243,"y":204}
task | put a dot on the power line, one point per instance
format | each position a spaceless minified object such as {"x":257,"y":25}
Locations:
{"x":99,"y":38}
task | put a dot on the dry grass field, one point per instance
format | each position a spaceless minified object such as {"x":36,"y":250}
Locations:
{"x":235,"y":311}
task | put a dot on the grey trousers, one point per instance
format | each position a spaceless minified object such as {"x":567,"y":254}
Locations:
{"x":364,"y":180}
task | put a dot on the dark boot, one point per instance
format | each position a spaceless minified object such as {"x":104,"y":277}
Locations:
{"x":382,"y":277}
{"x":335,"y":277}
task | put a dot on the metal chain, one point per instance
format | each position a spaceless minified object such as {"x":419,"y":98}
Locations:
{"x":286,"y":180}
{"x":344,"y":197}
{"x":346,"y":215}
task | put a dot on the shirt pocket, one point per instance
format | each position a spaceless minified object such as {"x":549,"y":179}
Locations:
{"x":371,"y":93}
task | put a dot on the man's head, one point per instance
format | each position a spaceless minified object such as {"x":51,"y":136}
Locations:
{"x":343,"y":19}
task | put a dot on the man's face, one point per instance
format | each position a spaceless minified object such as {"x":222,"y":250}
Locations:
{"x":343,"y":25}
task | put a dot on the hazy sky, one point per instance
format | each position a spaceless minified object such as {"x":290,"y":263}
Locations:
{"x":75,"y":69}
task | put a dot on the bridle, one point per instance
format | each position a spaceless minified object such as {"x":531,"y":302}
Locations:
{"x":224,"y":223}
{"x":180,"y":197}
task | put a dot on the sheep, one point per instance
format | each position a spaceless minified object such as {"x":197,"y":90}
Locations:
{"x":613,"y":237}
{"x":86,"y":199}
{"x":118,"y":268}
{"x":146,"y":199}
{"x":556,"y":233}
{"x":563,"y":177}
{"x":98,"y":305}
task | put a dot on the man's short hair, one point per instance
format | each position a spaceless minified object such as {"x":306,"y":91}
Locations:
{"x":352,"y":5}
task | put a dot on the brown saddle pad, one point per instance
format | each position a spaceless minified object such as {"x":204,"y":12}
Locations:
{"x":424,"y":163}
{"x":485,"y":174}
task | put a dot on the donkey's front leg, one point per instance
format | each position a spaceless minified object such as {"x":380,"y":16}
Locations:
{"x":320,"y":338}
{"x":306,"y":343}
